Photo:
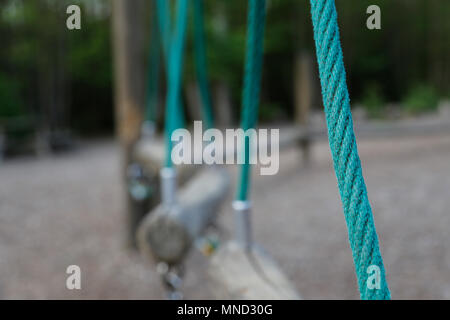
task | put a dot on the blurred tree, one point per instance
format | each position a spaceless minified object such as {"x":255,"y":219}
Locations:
{"x":89,"y":62}
{"x":65,"y":76}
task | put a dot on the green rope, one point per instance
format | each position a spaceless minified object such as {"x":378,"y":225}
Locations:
{"x":200,"y":63}
{"x":165,"y":24}
{"x":358,"y":214}
{"x":252,"y":84}
{"x":173,"y":46}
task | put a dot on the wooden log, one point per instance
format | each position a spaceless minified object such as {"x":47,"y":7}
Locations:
{"x":289,"y":135}
{"x":150,"y":153}
{"x":376,"y":130}
{"x":237,"y":273}
{"x":167,"y":233}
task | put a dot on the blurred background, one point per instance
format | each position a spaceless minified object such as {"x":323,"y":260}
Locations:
{"x":61,"y":188}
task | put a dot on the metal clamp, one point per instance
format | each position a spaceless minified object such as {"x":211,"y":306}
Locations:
{"x":242,"y":212}
{"x":168,"y":186}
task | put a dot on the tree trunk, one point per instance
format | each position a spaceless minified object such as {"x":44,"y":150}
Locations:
{"x":222,"y":105}
{"x":304,"y":82}
{"x":129,"y":91}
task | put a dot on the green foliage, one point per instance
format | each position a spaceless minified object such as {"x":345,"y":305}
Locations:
{"x":421,"y":98}
{"x":412,"y":47}
{"x":373,"y":100}
{"x":11,"y":104}
{"x":89,"y":57}
{"x":89,"y":63}
{"x":269,"y":112}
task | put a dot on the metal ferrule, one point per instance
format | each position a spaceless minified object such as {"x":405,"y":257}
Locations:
{"x":168,"y":186}
{"x":242,"y":212}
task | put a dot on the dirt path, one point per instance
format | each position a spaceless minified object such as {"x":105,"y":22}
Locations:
{"x":66,"y":210}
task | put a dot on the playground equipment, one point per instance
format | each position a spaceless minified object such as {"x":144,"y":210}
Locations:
{"x":239,"y":268}
{"x":167,"y":233}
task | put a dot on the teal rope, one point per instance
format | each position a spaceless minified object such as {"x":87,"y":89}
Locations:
{"x":358,"y":214}
{"x":153,"y":71}
{"x":252,"y":84}
{"x":167,"y":37}
{"x":165,"y":24}
{"x":200,"y":63}
{"x":174,"y":110}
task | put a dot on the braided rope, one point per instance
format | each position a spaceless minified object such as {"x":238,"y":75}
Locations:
{"x":200,"y":62}
{"x":165,"y":23}
{"x":252,"y":84}
{"x":358,"y":214}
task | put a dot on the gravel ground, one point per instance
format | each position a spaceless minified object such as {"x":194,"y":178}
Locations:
{"x":65,"y":210}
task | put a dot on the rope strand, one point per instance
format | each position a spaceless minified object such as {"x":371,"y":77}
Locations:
{"x":174,"y":110}
{"x":252,"y":84}
{"x":200,"y":63}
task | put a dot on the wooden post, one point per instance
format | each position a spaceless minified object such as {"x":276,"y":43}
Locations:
{"x":303,"y":97}
{"x":222,"y":105}
{"x":128,"y":29}
{"x":194,"y":102}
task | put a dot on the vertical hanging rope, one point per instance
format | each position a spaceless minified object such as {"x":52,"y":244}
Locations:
{"x":167,"y":37}
{"x":201,"y":64}
{"x":358,"y":214}
{"x":174,"y":110}
{"x":165,"y":24}
{"x":252,"y":83}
